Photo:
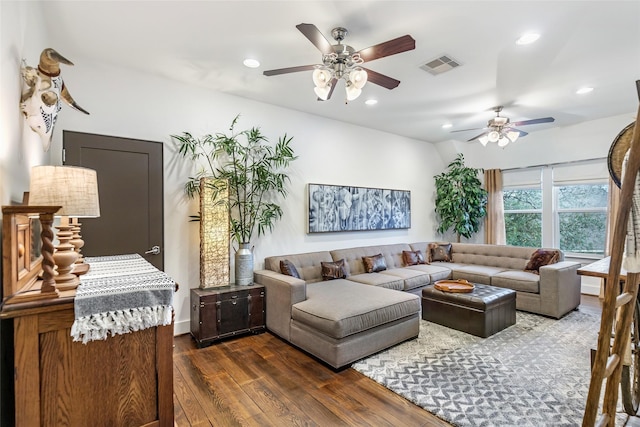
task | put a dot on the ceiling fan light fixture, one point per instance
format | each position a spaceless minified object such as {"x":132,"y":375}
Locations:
{"x":493,"y":136}
{"x":503,"y":141}
{"x":321,"y":77}
{"x":513,"y":135}
{"x":322,"y":92}
{"x":352,"y":92}
{"x":358,"y":77}
{"x":484,"y":139}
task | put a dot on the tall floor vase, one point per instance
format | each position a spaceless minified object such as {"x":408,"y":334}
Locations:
{"x":244,"y":264}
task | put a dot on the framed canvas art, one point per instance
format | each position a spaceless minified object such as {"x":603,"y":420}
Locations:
{"x":346,"y":208}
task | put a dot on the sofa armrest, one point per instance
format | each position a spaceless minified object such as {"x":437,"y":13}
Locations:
{"x":281,"y":292}
{"x":559,"y":288}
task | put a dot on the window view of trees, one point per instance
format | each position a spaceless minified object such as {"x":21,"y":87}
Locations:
{"x":523,"y":216}
{"x":579,"y":216}
{"x":582,"y":218}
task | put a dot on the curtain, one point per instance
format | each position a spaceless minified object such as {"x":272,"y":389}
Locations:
{"x":494,"y":231}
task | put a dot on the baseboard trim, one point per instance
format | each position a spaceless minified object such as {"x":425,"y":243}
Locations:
{"x":590,"y":289}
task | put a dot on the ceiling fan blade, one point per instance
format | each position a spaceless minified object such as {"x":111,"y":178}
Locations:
{"x":465,"y":130}
{"x":477,"y":136}
{"x":391,"y":47}
{"x":314,"y":35}
{"x":381,"y":80}
{"x":522,"y":133}
{"x":534,"y":121}
{"x":289,"y":70}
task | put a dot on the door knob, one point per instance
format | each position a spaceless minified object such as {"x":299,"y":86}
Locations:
{"x":153,"y":251}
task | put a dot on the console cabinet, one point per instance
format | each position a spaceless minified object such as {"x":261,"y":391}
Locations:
{"x":226,"y":311}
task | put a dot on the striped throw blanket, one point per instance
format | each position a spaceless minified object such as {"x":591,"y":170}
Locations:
{"x":121,"y":294}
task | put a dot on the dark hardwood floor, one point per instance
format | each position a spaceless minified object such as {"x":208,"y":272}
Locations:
{"x":260,"y":380}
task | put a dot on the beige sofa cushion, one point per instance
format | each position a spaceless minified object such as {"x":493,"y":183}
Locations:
{"x":378,"y":279}
{"x":412,"y":278}
{"x":339,"y":308}
{"x":476,"y":273}
{"x":520,"y":281}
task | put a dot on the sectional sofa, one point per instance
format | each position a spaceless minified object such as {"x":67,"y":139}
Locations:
{"x":360,"y":313}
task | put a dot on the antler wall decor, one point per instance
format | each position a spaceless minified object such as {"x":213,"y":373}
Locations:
{"x":40,"y":100}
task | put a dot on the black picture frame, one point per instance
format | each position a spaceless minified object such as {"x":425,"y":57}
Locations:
{"x":336,"y":208}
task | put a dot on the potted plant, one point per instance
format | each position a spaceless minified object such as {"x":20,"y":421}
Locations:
{"x":460,"y":199}
{"x":255,"y":173}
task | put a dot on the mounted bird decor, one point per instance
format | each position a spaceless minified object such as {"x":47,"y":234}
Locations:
{"x":40,"y":100}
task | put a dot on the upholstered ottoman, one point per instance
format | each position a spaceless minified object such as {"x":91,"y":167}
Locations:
{"x":483,"y":312}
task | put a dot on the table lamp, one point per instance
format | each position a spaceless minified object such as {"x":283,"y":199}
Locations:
{"x":76,"y":190}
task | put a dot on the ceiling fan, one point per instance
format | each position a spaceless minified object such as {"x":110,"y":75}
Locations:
{"x":499,"y":129}
{"x":341,"y":61}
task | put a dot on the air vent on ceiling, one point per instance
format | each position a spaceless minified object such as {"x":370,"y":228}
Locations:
{"x":440,"y":65}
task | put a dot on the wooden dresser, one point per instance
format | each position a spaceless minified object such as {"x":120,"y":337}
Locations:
{"x":123,"y":380}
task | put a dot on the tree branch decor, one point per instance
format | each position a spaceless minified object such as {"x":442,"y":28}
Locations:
{"x":460,"y":199}
{"x":254,"y":171}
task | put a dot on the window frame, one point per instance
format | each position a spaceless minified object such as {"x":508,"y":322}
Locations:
{"x":557,"y":211}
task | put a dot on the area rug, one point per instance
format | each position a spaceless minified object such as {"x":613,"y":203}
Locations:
{"x":534,"y":373}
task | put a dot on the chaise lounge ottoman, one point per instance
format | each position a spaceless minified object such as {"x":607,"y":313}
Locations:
{"x":483,"y":312}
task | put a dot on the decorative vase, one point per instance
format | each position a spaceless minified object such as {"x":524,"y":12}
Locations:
{"x":244,"y":265}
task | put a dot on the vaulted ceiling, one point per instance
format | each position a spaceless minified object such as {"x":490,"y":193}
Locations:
{"x":582,"y":43}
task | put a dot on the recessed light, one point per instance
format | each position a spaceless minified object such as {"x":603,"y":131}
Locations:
{"x":447,"y":126}
{"x":251,"y":63}
{"x":371,"y":101}
{"x":584,"y":90}
{"x":528,"y":38}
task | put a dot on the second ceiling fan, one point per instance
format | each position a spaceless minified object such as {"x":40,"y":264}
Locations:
{"x":499,"y":129}
{"x":341,"y":61}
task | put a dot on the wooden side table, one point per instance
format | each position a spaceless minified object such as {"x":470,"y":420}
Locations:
{"x":226,"y":311}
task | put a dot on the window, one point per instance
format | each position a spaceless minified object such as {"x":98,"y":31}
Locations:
{"x":562,"y":206}
{"x":523,"y":216}
{"x":582,"y":218}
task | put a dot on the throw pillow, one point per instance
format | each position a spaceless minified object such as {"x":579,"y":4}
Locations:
{"x":287,"y":267}
{"x":413,"y":257}
{"x":541,"y":257}
{"x":373,"y":264}
{"x":333,"y":270}
{"x":440,"y":252}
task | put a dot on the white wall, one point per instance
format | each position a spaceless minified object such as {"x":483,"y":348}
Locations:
{"x":22,"y":35}
{"x":129,"y":104}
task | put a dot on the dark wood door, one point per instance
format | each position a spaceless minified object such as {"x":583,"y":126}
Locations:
{"x":130,"y":187}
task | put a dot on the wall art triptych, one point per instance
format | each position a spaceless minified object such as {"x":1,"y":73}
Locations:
{"x":346,"y":208}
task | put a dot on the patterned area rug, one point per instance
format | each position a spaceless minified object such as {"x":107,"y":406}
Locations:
{"x":535,"y":373}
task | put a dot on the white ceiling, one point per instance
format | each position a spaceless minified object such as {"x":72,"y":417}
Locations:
{"x":583,"y":43}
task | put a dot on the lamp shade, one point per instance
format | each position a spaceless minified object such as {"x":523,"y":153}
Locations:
{"x":321,"y":77}
{"x":358,"y":78}
{"x":73,"y":188}
{"x":493,"y":136}
{"x":352,"y":92}
{"x":513,"y":135}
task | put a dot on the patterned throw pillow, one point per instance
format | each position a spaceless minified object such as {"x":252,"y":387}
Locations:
{"x":287,"y":267}
{"x":541,"y":257}
{"x":439,"y":252}
{"x":373,"y":264}
{"x":413,"y":257}
{"x":333,"y":270}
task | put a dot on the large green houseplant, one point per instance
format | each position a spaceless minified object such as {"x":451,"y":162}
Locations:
{"x":255,"y":173}
{"x":460,"y":199}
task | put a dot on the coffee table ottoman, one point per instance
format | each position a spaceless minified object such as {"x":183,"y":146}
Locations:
{"x":483,"y":312}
